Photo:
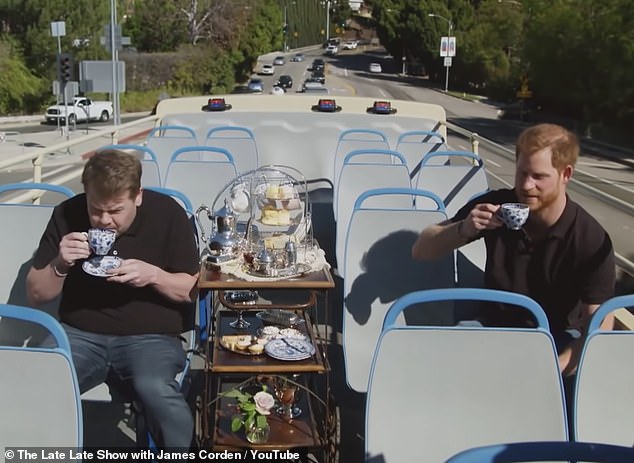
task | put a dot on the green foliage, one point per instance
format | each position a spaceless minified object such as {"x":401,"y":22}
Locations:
{"x":249,"y":415}
{"x":18,"y":86}
{"x":578,"y":54}
{"x":156,"y":26}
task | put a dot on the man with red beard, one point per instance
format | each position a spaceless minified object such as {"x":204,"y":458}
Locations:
{"x":561,"y":257}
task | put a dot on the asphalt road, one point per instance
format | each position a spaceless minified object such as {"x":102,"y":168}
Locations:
{"x":347,"y":74}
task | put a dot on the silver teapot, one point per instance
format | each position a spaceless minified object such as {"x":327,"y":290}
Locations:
{"x":224,"y":242}
{"x":264,"y":262}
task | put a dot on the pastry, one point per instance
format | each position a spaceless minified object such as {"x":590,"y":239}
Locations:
{"x":275,"y":217}
{"x":243,"y":342}
{"x":256,"y":348}
{"x":272,"y":191}
{"x":286,"y":192}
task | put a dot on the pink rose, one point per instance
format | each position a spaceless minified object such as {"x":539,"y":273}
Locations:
{"x":263,"y":402}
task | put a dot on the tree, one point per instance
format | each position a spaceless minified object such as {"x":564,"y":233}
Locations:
{"x":19,"y":88}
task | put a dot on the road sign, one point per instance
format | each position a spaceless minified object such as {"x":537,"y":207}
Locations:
{"x":524,"y":92}
{"x":444,"y":46}
{"x":96,"y":76}
{"x":447,"y":61}
{"x":119,"y":41}
{"x":447,"y":46}
{"x":58,"y":29}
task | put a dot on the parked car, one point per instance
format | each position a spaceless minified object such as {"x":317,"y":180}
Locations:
{"x":285,"y":81}
{"x":278,"y":90}
{"x":267,"y":70}
{"x":255,"y":85}
{"x":298,"y":57}
{"x":279,"y":61}
{"x":376,"y":67}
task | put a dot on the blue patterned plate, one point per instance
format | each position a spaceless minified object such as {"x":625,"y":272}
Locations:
{"x":98,"y":266}
{"x":289,"y":349}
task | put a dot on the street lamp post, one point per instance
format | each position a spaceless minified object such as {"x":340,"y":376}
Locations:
{"x":285,"y":27}
{"x":327,"y":20}
{"x":433,"y":15}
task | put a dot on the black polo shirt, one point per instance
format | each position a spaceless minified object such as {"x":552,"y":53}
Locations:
{"x":160,"y":234}
{"x":573,"y":264}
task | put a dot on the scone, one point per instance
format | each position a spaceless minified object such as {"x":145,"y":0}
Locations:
{"x":256,"y":348}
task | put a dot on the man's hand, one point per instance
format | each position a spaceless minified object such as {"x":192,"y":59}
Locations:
{"x":73,"y":247}
{"x":135,"y":273}
{"x":482,"y":217}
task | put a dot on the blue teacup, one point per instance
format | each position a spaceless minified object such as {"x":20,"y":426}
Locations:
{"x":514,"y":215}
{"x":101,"y":240}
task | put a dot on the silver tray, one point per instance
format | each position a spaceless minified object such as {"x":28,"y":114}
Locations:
{"x":299,"y":270}
{"x":281,"y":317}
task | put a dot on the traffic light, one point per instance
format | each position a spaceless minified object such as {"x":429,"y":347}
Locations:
{"x":66,"y":67}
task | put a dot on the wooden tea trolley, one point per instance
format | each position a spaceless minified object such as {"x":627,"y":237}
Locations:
{"x":313,"y":430}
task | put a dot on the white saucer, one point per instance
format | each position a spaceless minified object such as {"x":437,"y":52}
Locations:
{"x":98,"y":266}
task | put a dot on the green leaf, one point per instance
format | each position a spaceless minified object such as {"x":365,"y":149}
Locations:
{"x":260,"y":421}
{"x":248,"y":407}
{"x":236,"y":423}
{"x":249,"y":422}
{"x":234,"y":394}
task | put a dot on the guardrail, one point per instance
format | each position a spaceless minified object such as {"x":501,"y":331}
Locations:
{"x":36,"y":156}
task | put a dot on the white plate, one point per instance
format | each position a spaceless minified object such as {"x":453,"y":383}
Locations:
{"x":291,"y":333}
{"x":98,"y":266}
{"x":289,"y":349}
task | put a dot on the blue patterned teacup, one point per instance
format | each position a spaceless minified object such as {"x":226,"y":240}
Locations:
{"x":101,"y":240}
{"x":514,"y":215}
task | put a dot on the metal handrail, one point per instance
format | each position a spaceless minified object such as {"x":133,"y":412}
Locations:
{"x":37,"y":155}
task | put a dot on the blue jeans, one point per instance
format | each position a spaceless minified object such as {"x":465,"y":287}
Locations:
{"x":149,"y":362}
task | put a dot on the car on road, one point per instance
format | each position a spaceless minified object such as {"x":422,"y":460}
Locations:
{"x":255,"y":85}
{"x":332,"y":50}
{"x":349,"y":45}
{"x":277,"y":91}
{"x":521,"y":110}
{"x":285,"y":81}
{"x":318,"y":76}
{"x":80,"y":109}
{"x":267,"y":70}
{"x":298,"y":57}
{"x":279,"y":61}
{"x":310,"y":86}
{"x":318,"y":65}
{"x":375,"y":67}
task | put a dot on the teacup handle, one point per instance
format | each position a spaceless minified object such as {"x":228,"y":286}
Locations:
{"x":200,"y":225}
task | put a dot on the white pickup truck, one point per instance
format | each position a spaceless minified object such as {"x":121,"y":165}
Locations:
{"x":81,"y":110}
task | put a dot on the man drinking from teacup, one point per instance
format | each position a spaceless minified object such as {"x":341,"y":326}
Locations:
{"x":539,"y":242}
{"x":125,"y":262}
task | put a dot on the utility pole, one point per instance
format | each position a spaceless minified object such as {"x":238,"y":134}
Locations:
{"x":447,"y":53}
{"x":327,"y":20}
{"x":285,"y":27}
{"x":115,"y":74}
{"x":58,"y":29}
